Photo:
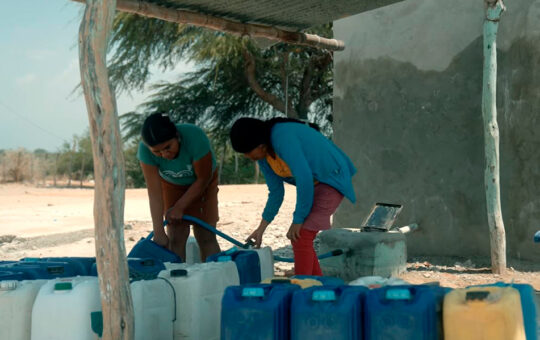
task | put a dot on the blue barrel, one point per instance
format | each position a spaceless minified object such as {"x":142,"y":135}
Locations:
{"x":140,"y":269}
{"x":325,"y":280}
{"x":404,"y":312}
{"x":327,"y":312}
{"x":528,"y":305}
{"x":148,"y":249}
{"x":40,"y":270}
{"x":247,"y":263}
{"x":258,"y":311}
{"x":6,"y":275}
{"x":81,"y":265}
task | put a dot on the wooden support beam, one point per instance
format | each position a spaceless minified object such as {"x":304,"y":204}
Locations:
{"x":110,"y":182}
{"x":494,"y":10}
{"x":252,"y":30}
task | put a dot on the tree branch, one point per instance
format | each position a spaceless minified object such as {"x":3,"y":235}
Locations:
{"x":271,"y":99}
{"x":308,"y":94}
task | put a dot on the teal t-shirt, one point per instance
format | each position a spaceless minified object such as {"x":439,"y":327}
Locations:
{"x":194,"y":145}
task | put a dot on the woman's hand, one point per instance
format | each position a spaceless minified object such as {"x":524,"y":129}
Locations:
{"x":294,"y":232}
{"x":256,"y":237}
{"x":174,"y":215}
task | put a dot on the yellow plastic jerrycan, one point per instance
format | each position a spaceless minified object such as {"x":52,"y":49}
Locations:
{"x":483,"y":313}
{"x":303,"y":283}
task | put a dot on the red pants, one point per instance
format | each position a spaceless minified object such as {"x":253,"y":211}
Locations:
{"x":305,"y":258}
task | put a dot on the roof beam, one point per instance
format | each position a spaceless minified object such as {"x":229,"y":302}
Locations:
{"x":219,"y":24}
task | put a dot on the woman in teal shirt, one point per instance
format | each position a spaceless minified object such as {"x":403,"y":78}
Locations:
{"x":179,"y":168}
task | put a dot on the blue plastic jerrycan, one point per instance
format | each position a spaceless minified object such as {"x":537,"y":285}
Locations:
{"x":247,"y":263}
{"x":148,"y":249}
{"x":327,"y":312}
{"x":40,"y":270}
{"x":80,"y":265}
{"x":260,"y":311}
{"x":406,"y":312}
{"x":140,"y":269}
{"x":7,"y":275}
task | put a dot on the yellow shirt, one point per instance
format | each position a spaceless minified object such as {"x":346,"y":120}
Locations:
{"x":279,"y":166}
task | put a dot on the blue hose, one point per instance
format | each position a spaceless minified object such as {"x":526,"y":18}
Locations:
{"x":537,"y":237}
{"x":208,"y":227}
{"x":214,"y":230}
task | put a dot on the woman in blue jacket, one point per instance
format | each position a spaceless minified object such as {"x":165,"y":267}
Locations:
{"x":288,"y":150}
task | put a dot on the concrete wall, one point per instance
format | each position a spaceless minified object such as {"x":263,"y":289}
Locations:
{"x":407,"y":109}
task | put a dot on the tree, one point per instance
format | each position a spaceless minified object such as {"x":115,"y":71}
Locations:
{"x":233,"y":76}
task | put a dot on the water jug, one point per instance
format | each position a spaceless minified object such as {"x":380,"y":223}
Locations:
{"x":247,"y":263}
{"x":6,"y":275}
{"x":154,"y":309}
{"x":405,"y":312}
{"x":257,"y":311}
{"x":81,"y":265}
{"x":140,"y":269}
{"x":40,"y":270}
{"x":493,"y":313}
{"x":528,"y":305}
{"x":16,"y":302}
{"x":199,"y":290}
{"x":327,"y":312}
{"x":63,"y":307}
{"x":266,"y":260}
{"x":146,"y":248}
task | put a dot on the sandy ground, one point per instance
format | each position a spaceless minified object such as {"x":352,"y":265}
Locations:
{"x":40,"y":222}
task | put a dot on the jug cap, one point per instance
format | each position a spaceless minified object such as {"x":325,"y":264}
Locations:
{"x":252,"y":292}
{"x":398,"y":294}
{"x":63,"y":286}
{"x":323,"y":295}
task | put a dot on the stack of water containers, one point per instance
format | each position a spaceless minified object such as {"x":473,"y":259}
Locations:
{"x":59,"y":298}
{"x":281,"y":309}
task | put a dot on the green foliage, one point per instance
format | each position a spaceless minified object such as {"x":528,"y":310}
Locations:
{"x":134,"y":175}
{"x":218,"y":91}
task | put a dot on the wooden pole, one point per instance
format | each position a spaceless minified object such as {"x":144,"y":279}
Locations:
{"x":494,"y":10}
{"x":110,"y":182}
{"x":198,"y":19}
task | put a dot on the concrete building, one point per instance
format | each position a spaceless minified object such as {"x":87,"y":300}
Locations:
{"x":407,"y":109}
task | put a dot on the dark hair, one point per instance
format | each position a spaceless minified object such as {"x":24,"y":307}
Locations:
{"x":157,"y":128}
{"x":248,"y":133}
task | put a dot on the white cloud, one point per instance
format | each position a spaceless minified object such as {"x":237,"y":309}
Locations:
{"x":26,"y":79}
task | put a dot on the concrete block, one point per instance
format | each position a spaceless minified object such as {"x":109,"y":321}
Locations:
{"x":368,"y":253}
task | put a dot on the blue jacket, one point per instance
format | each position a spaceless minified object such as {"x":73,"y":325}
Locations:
{"x":310,"y":156}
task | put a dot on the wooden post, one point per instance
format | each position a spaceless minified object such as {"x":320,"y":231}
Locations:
{"x":110,"y":182}
{"x":494,"y":9}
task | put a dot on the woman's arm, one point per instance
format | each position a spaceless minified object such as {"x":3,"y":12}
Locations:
{"x":153,"y":185}
{"x":276,"y":191}
{"x":290,"y":150}
{"x":203,"y":171}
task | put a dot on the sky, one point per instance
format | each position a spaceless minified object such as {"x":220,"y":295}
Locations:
{"x":39,"y":69}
